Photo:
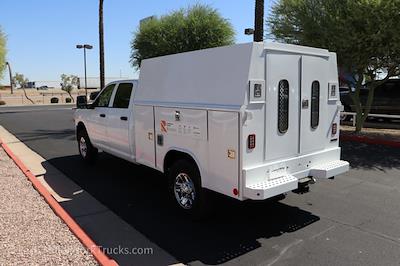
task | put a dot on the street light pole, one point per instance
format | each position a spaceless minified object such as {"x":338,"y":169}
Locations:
{"x":11,"y":79}
{"x":84,"y":63}
{"x":259,"y":21}
{"x":84,"y":47}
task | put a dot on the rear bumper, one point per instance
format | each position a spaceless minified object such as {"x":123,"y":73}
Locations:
{"x":330,"y":169}
{"x":278,"y":177}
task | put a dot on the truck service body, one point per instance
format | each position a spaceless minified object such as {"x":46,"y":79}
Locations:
{"x":255,"y":120}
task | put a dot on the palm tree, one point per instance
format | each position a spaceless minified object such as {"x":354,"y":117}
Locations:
{"x":101,"y":43}
{"x":259,"y":21}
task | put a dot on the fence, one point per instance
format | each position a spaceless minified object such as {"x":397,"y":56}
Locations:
{"x":370,"y":115}
{"x":44,"y":98}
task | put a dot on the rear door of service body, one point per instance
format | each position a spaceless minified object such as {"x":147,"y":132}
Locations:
{"x":297,"y":118}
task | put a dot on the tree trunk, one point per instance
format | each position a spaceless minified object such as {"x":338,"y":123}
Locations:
{"x":259,"y":21}
{"x":26,"y":96}
{"x":101,"y":44}
{"x":11,"y":78}
{"x":362,"y":112}
{"x":70,"y":95}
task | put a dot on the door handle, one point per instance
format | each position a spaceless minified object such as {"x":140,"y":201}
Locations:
{"x":102,"y":115}
{"x":124,"y":118}
{"x":304,"y":104}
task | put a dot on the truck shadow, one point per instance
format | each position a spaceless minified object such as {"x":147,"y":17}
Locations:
{"x":139,"y":196}
{"x":41,"y":134}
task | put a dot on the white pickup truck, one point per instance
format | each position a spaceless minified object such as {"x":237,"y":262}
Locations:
{"x":250,"y":121}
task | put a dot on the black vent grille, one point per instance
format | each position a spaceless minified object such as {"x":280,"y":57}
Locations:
{"x":315,"y":91}
{"x":283,"y":106}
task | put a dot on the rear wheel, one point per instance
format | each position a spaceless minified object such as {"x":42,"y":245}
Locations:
{"x":185,"y":186}
{"x":86,"y":149}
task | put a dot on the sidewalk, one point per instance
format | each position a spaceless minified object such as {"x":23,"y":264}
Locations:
{"x":30,"y":232}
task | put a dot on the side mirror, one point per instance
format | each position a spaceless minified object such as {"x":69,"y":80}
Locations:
{"x":93,"y":95}
{"x":81,"y":102}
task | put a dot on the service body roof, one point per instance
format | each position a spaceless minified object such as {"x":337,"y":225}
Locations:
{"x":215,"y":77}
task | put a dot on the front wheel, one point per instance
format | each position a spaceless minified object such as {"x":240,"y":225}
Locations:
{"x":86,"y":149}
{"x":185,"y":185}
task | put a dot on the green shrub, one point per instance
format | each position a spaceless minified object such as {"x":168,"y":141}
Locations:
{"x":68,"y":100}
{"x":54,"y":100}
{"x":194,"y":28}
{"x":2,"y":102}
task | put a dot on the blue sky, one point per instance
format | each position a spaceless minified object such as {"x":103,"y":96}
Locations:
{"x":42,"y":34}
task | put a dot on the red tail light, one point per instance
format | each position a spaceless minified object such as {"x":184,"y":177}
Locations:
{"x":251,"y":141}
{"x":334,"y":129}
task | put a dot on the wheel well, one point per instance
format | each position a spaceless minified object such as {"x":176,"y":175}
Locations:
{"x":172,"y":156}
{"x":80,"y":127}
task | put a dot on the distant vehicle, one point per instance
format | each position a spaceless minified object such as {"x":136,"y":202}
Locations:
{"x":42,"y":88}
{"x":344,"y":92}
{"x":238,"y":120}
{"x":386,"y":99}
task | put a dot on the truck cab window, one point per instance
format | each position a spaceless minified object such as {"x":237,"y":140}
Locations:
{"x":104,"y":99}
{"x":123,"y":95}
{"x":283,"y":106}
{"x":315,"y":104}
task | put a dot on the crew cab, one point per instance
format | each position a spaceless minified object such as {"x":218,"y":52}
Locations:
{"x":250,"y":121}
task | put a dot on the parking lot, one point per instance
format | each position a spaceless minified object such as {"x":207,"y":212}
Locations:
{"x":351,"y":220}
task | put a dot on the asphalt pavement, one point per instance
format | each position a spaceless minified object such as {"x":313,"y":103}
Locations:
{"x":351,"y":220}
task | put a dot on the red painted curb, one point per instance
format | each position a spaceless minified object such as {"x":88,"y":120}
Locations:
{"x":368,"y":140}
{"x":101,"y":258}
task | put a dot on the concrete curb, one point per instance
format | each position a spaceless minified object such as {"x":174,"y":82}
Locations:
{"x":101,"y":258}
{"x":368,"y":140}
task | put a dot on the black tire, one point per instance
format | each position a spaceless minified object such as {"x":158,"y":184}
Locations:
{"x":91,"y":152}
{"x":196,"y":207}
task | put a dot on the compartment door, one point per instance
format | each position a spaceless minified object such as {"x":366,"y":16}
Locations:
{"x":144,"y":135}
{"x":223,"y":156}
{"x":315,"y":120}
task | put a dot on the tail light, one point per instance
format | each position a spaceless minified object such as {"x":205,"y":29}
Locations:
{"x":251,"y":141}
{"x":334,"y":129}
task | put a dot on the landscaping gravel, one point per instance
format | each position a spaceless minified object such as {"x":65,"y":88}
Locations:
{"x":30,"y":232}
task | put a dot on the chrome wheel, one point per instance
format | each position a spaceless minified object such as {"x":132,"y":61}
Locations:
{"x":184,"y":189}
{"x":83,"y":147}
